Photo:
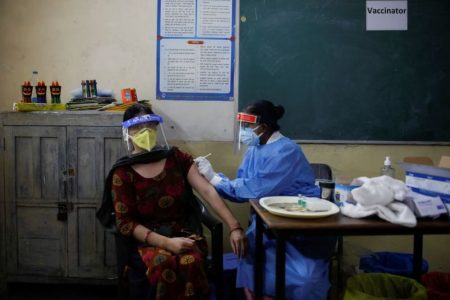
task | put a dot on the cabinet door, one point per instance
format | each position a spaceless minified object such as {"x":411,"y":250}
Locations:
{"x":35,"y":158}
{"x":91,"y":153}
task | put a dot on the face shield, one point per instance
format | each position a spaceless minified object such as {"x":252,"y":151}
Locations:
{"x":144,"y":133}
{"x":245,"y":134}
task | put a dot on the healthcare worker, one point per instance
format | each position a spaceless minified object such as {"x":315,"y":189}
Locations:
{"x":274,"y":165}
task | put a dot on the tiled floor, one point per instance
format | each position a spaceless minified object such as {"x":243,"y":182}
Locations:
{"x":55,"y":292}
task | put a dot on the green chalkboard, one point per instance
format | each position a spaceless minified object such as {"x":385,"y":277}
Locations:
{"x":338,"y":81}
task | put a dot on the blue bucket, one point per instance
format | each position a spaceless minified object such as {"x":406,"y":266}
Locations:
{"x":390,"y":262}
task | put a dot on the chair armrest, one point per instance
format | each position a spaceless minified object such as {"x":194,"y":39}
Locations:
{"x":210,"y":221}
{"x":215,"y":226}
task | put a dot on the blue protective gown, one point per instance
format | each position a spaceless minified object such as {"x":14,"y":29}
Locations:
{"x":280,"y":168}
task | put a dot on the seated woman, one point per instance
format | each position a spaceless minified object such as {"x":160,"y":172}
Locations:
{"x":149,"y":195}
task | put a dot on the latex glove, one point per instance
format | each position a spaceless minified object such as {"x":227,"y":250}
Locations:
{"x":205,"y":168}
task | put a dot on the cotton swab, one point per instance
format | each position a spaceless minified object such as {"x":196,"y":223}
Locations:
{"x":207,"y":155}
{"x":201,"y":157}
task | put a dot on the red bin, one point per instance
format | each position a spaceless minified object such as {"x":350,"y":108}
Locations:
{"x":437,"y":285}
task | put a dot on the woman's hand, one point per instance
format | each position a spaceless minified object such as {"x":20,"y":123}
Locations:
{"x":238,"y":241}
{"x":179,"y":245}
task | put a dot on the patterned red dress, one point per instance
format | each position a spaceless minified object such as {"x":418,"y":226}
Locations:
{"x":158,"y":204}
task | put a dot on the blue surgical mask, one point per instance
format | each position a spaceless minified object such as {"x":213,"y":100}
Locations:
{"x":248,"y":136}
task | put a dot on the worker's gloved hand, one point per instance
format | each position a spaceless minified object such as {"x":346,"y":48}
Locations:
{"x":205,"y":168}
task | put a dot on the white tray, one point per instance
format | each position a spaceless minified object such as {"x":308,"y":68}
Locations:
{"x":264,"y":202}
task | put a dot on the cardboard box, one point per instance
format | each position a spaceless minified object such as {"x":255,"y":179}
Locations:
{"x":425,"y":206}
{"x":129,"y":95}
{"x":444,"y":162}
{"x":429,"y":180}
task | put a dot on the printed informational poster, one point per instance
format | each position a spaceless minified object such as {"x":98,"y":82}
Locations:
{"x":196,"y":49}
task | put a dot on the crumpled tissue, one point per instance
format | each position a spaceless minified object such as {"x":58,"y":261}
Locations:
{"x":380,"y":196}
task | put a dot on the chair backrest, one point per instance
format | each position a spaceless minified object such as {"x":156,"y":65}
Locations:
{"x":321,"y":171}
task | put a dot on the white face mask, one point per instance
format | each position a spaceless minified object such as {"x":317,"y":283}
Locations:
{"x":248,"y":136}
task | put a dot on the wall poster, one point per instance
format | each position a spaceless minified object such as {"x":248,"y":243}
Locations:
{"x":195,"y":50}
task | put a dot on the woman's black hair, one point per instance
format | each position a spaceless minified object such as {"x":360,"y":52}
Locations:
{"x":137,"y":109}
{"x":268,"y":112}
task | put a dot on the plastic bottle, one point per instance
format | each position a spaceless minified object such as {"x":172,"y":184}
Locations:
{"x":88,"y":89}
{"x":34,"y":83}
{"x":83,"y":87}
{"x":387,"y":169}
{"x":93,"y":86}
{"x":42,"y":92}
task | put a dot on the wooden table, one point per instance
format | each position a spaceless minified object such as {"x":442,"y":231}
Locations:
{"x":337,"y":225}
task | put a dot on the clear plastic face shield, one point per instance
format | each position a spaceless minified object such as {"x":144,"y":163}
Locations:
{"x":245,"y":135}
{"x":144,"y":133}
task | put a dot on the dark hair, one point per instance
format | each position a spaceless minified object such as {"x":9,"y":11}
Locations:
{"x":268,"y":112}
{"x":137,"y":109}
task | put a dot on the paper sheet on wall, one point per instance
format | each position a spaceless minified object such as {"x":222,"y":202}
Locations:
{"x":195,"y":49}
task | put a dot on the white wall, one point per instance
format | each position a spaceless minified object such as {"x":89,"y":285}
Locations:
{"x":112,"y":41}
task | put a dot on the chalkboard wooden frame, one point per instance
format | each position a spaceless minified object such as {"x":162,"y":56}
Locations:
{"x":341,"y":83}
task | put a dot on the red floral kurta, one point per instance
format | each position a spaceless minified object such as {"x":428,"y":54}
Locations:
{"x":157,"y":204}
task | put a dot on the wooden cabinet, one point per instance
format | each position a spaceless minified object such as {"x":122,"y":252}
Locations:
{"x":54,"y":167}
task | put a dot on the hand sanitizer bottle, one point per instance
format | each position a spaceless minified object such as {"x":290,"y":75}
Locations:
{"x":387,"y":169}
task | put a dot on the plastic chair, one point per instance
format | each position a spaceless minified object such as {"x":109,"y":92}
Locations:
{"x":214,"y":267}
{"x":322,"y":171}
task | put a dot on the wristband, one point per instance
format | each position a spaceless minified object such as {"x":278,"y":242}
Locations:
{"x":146,"y":236}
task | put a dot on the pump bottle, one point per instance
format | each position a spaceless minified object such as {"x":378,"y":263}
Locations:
{"x":387,"y":169}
